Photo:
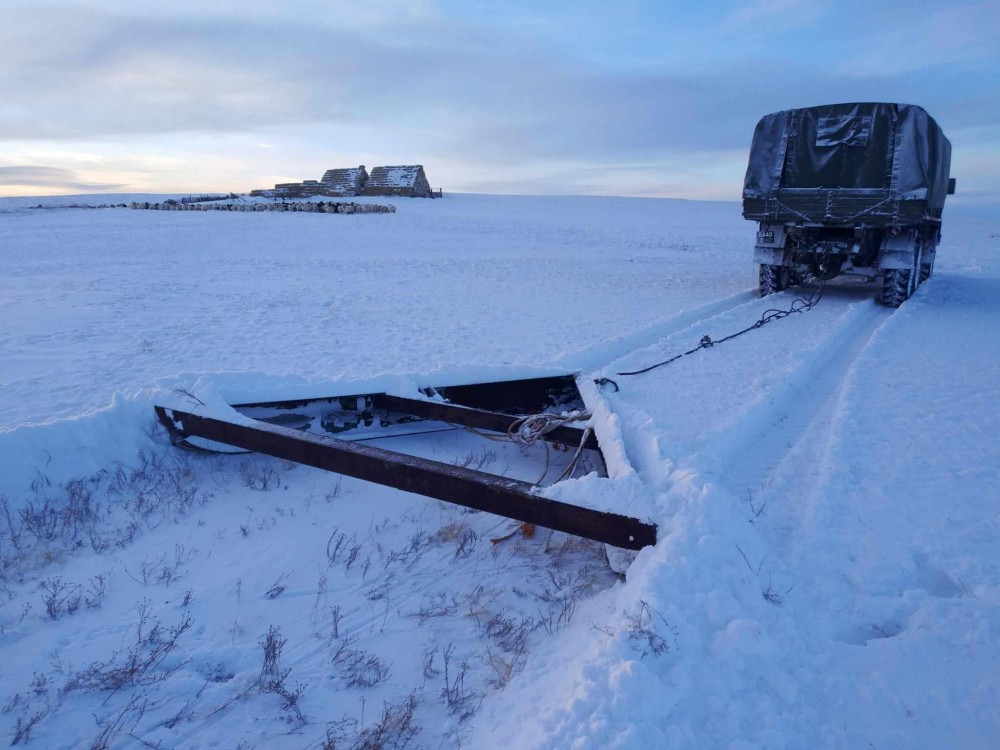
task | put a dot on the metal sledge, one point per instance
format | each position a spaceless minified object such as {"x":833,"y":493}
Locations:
{"x":312,"y":432}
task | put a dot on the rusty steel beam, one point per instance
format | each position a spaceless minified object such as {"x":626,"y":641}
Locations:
{"x":477,"y":418}
{"x":473,"y":489}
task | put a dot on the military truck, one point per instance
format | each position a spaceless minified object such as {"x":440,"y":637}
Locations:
{"x":848,"y":189}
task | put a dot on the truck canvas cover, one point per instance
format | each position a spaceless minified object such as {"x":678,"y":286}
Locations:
{"x":842,"y":162}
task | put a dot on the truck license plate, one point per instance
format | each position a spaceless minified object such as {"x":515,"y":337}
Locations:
{"x":766,"y":236}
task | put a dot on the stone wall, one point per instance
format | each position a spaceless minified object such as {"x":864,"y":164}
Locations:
{"x":320,"y":207}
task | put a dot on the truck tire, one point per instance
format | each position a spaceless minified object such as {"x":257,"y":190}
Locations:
{"x":926,"y":270}
{"x":773,"y":279}
{"x":897,"y":286}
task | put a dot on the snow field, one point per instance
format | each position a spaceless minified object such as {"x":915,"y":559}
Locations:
{"x":98,"y":301}
{"x":366,"y":586}
{"x":817,"y":538}
{"x":827,"y":575}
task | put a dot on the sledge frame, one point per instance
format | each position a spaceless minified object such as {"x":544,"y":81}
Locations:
{"x":469,"y":488}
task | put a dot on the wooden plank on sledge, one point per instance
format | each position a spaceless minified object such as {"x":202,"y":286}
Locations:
{"x":479,"y":419}
{"x":455,"y":484}
{"x":526,"y":396}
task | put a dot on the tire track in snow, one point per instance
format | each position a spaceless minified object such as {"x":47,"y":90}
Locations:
{"x":786,"y":434}
{"x":693,"y":427}
{"x":597,"y":356}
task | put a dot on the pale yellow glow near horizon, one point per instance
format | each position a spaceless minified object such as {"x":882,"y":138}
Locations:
{"x":244,"y":164}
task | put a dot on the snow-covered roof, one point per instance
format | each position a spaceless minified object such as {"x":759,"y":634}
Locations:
{"x":395,"y":177}
{"x":353,"y":176}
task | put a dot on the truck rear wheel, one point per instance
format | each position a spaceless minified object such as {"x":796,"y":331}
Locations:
{"x":773,"y":279}
{"x":897,"y":286}
{"x":926,"y":270}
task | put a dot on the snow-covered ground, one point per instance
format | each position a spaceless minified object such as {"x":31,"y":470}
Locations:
{"x":828,"y":570}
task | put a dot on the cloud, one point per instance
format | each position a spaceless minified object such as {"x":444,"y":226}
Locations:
{"x":910,"y":42}
{"x":86,"y":74}
{"x":50,"y":177}
{"x":413,"y":82}
{"x":780,"y":13}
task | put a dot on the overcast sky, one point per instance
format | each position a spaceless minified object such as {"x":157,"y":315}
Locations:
{"x":521,"y":96}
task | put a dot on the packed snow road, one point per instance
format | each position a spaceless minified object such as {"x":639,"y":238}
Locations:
{"x":742,"y":404}
{"x":828,"y":571}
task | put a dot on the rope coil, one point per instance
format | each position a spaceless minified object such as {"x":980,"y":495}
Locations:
{"x":530,"y":428}
{"x":527,"y":430}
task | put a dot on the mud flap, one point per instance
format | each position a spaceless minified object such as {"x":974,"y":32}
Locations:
{"x":770,"y":247}
{"x":898,"y":251}
{"x":768,"y":256}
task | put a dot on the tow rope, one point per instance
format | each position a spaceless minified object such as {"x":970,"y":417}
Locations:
{"x":800,"y":304}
